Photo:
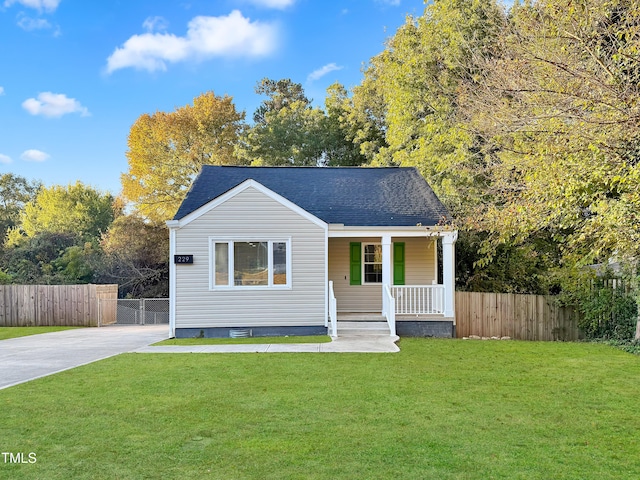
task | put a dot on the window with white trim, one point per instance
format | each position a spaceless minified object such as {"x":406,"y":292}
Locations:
{"x":372,"y":262}
{"x":249,"y":263}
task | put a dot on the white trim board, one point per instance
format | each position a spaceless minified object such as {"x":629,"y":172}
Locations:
{"x":341,"y":231}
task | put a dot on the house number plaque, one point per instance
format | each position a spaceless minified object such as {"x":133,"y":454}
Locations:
{"x":183,"y":259}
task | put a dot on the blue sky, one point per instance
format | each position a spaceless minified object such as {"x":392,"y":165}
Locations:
{"x":75,"y":74}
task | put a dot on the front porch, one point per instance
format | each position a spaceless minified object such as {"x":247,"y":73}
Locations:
{"x":414,"y":311}
{"x":392,"y":284}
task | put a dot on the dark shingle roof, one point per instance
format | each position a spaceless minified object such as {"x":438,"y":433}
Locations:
{"x":352,"y":196}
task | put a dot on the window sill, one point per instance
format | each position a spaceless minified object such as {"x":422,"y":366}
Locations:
{"x":249,"y":288}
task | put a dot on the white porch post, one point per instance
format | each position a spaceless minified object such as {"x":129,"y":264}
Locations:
{"x":387,"y":265}
{"x":448,"y":272}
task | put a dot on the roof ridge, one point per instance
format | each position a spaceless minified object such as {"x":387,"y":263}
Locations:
{"x":311,"y":167}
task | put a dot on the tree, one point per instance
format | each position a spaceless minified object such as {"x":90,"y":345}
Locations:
{"x":15,"y":193}
{"x":290,"y":136}
{"x":290,"y":131}
{"x":77,"y":210}
{"x":558,"y":106}
{"x":364,"y":116}
{"x":564,"y":97}
{"x":77,"y":264}
{"x":33,"y":259}
{"x":410,"y":110}
{"x":410,"y":96}
{"x":280,"y":94}
{"x":167,"y":150}
{"x":136,"y":256}
{"x":55,"y":240}
{"x":342,"y":149}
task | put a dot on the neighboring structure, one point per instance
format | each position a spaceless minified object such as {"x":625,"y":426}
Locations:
{"x":288,"y":250}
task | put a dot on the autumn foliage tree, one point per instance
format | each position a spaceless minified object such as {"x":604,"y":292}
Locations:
{"x":559,"y":108}
{"x":407,"y":111}
{"x":166,"y":151}
{"x":136,"y":255}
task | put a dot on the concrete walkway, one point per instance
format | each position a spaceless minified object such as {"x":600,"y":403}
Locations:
{"x":27,"y":358}
{"x":35,"y":356}
{"x":353,"y":344}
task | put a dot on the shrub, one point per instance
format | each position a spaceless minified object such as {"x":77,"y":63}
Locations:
{"x":608,"y":311}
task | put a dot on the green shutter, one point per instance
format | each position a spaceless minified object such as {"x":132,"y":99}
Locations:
{"x":398,"y":263}
{"x":355,"y":249}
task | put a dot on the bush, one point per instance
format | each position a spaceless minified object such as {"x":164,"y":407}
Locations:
{"x":630,"y":346}
{"x":608,"y":311}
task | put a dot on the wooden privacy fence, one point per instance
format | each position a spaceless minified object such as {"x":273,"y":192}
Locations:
{"x":55,"y":305}
{"x":521,"y":317}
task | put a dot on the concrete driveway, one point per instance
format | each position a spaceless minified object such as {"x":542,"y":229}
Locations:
{"x":27,"y":358}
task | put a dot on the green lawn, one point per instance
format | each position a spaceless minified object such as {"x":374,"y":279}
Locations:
{"x":13,"y":332}
{"x":439,"y":409}
{"x":250,"y":340}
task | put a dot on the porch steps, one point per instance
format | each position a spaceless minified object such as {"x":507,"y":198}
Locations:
{"x":361,"y":317}
{"x":362,"y":325}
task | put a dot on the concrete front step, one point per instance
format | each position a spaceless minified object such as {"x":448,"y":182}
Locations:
{"x":363,"y":328}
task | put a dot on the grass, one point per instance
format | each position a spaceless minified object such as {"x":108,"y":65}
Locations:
{"x":250,"y":340}
{"x":439,"y":409}
{"x":14,"y":332}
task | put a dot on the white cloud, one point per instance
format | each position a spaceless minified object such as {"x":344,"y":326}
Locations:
{"x":34,"y":156}
{"x":29,"y":24}
{"x":54,"y":105}
{"x":1,"y":91}
{"x":279,"y":4}
{"x":40,"y":5}
{"x":393,"y":3}
{"x":231,"y":35}
{"x":5,"y":159}
{"x":321,"y":72}
{"x":155,"y":24}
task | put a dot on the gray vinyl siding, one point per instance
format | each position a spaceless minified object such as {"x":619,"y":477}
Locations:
{"x":420,"y":269}
{"x":251,"y":215}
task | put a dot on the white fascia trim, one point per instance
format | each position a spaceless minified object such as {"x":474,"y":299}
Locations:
{"x":342,"y":231}
{"x":250,"y":183}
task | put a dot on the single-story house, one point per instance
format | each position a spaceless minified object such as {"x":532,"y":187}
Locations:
{"x":298,"y":250}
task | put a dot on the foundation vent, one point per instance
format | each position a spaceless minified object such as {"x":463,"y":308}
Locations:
{"x":240,"y":333}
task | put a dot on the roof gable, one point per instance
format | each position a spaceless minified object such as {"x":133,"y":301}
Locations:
{"x":336,"y":195}
{"x":249,"y":183}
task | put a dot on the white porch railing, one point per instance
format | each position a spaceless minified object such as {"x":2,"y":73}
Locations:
{"x":389,"y":309}
{"x":333,"y":311}
{"x":418,"y":299}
